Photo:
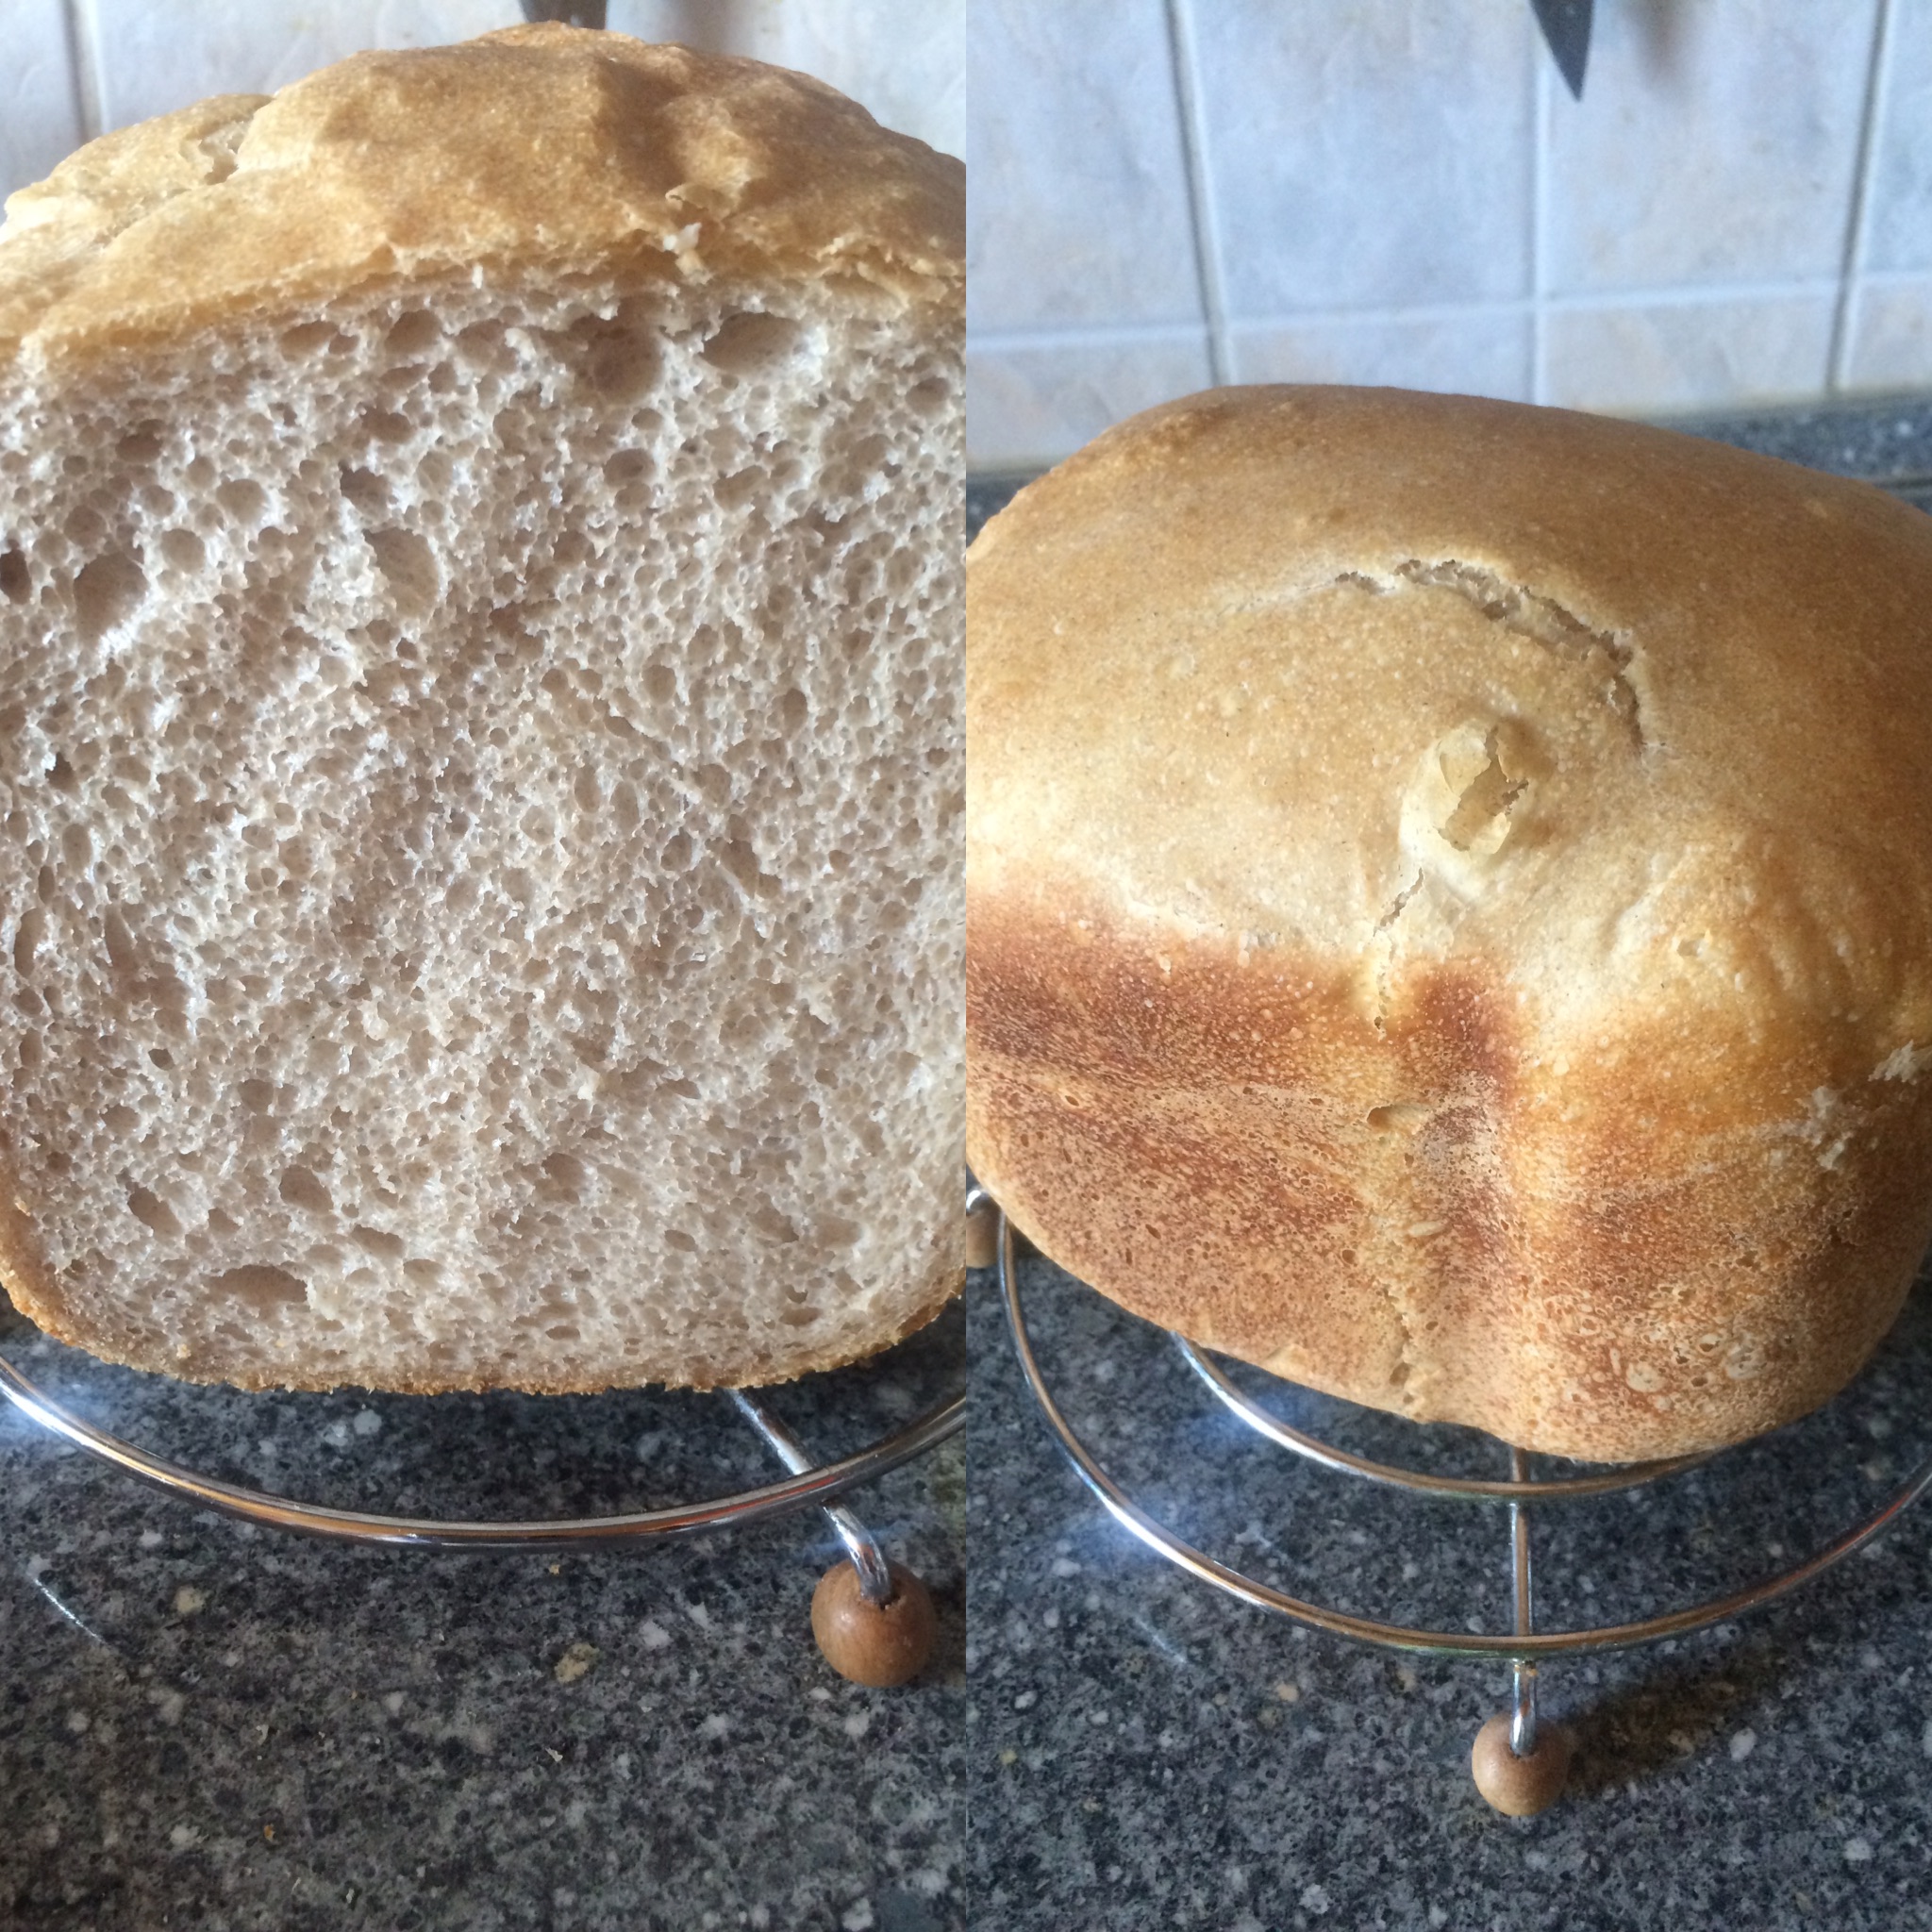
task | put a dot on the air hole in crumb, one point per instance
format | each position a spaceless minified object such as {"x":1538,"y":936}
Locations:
{"x":660,"y":683}
{"x":183,"y":549}
{"x":794,"y":709}
{"x":244,"y":500}
{"x":568,"y":1168}
{"x":257,"y":1096}
{"x":385,"y":426}
{"x":161,"y":1058}
{"x":262,"y":1290}
{"x":26,"y":937}
{"x":141,"y":445}
{"x":424,"y":1271}
{"x":364,"y":488}
{"x":106,"y":593}
{"x":412,"y":332}
{"x":929,"y":397}
{"x":676,"y":1238}
{"x":153,"y":1211}
{"x":306,"y":336}
{"x":752,"y":342}
{"x":1399,"y":1116}
{"x":408,"y":567}
{"x":619,"y":363}
{"x":122,"y":954}
{"x":305,"y":1190}
{"x":15,"y":580}
{"x":376,"y":1242}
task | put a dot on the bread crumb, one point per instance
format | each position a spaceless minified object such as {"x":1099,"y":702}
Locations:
{"x":574,"y":1662}
{"x":188,"y":1600}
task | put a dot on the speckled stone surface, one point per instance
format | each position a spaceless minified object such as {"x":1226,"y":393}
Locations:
{"x":206,"y":1725}
{"x":1146,"y":1752}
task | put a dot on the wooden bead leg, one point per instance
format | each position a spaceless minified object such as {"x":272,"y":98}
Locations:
{"x":1521,"y":1787}
{"x":983,"y":1235}
{"x":879,"y":1645}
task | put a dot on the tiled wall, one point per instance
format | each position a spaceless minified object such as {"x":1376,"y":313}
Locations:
{"x":1166,"y":193}
{"x":73,"y":68}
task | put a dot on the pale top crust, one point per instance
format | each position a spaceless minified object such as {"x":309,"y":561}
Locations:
{"x":1450,"y":904}
{"x":543,"y":145}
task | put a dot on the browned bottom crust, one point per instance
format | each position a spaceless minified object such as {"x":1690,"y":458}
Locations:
{"x":23,"y":1279}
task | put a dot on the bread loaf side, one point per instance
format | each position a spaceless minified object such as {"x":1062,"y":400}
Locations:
{"x":479,"y":742}
{"x":1450,"y":906}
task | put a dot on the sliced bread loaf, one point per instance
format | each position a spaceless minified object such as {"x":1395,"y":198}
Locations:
{"x":480,"y":647}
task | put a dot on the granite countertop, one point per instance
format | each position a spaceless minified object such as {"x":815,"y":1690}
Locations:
{"x":212,"y":1726}
{"x":1146,"y":1752}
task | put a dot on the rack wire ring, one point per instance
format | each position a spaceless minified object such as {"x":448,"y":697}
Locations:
{"x":820,"y":1485}
{"x":1517,"y":1647}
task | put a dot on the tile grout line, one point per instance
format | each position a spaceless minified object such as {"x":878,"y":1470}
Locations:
{"x":86,"y":70}
{"x":1539,"y":204}
{"x":1200,"y":203}
{"x":1673,"y":295}
{"x":1857,"y":221}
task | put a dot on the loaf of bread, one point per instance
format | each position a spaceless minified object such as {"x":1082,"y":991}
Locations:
{"x":480,"y":559}
{"x":1449,"y":905}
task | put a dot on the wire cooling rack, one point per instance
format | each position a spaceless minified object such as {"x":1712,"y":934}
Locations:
{"x":808,"y":1482}
{"x":1528,"y":1773}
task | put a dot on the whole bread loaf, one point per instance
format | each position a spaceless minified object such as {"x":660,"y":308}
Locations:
{"x":480,"y":749}
{"x":1450,"y":906}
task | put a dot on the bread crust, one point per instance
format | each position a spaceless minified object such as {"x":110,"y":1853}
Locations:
{"x":1449,"y":905}
{"x":542,"y":144}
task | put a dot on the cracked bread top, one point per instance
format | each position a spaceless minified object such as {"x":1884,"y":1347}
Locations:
{"x":539,"y":144}
{"x":1449,"y":905}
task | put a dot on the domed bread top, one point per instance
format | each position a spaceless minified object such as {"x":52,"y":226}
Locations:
{"x":540,"y":144}
{"x":1450,"y":904}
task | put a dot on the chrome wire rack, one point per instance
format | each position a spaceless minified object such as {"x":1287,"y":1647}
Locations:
{"x":1518,"y":1762}
{"x":806,"y":1484}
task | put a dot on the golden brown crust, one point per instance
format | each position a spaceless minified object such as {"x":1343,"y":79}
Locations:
{"x":1449,"y":907}
{"x":539,"y":145}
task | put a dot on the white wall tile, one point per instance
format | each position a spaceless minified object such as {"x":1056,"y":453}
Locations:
{"x":1890,"y":345}
{"x":1029,"y":405}
{"x":1481,"y":353}
{"x":1366,"y":154}
{"x":39,"y":117}
{"x":1642,"y":359}
{"x":1716,"y":142}
{"x":1899,"y":223}
{"x":906,"y":64}
{"x":1076,"y":193}
{"x":153,"y":56}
